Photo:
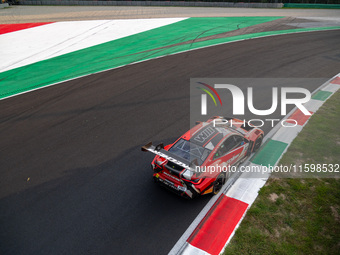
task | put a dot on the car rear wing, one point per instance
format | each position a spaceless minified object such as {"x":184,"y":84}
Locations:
{"x":159,"y":150}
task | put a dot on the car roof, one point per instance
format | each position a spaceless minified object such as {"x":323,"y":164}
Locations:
{"x":208,"y":136}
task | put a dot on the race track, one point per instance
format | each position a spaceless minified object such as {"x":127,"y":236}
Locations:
{"x":73,"y":178}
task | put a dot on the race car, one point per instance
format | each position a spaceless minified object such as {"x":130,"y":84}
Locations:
{"x":199,"y":162}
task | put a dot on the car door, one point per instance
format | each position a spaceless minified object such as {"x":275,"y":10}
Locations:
{"x":230,"y":150}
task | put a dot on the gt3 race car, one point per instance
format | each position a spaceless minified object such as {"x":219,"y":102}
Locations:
{"x":199,"y":162}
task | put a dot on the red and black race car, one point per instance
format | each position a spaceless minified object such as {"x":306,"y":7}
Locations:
{"x":199,"y":162}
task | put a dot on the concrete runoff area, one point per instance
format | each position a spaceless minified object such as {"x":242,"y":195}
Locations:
{"x":23,"y":14}
{"x":61,"y":51}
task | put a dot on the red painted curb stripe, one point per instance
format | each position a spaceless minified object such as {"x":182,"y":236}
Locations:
{"x":299,"y":117}
{"x":336,"y":80}
{"x":215,"y":229}
{"x":7,"y":28}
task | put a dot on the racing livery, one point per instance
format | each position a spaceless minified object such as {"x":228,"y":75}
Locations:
{"x":199,"y":161}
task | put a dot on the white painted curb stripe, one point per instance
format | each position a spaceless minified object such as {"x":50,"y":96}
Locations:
{"x":331,"y":88}
{"x":313,"y":105}
{"x":35,"y":44}
{"x":246,"y":188}
{"x":287,"y":135}
{"x":192,"y":250}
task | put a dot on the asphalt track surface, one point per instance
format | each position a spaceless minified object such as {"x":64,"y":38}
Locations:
{"x":73,"y":178}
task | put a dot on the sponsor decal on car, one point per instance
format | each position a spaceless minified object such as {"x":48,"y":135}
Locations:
{"x":171,"y":184}
{"x":171,"y":176}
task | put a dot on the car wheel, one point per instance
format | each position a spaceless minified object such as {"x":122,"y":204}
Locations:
{"x":258,"y":143}
{"x":218,"y":183}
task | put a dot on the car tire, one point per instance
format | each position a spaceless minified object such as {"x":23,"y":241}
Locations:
{"x":258,"y":143}
{"x":218,"y":183}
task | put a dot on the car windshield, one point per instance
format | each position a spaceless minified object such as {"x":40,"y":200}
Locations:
{"x":190,"y":151}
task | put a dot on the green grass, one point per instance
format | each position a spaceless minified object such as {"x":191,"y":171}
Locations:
{"x":298,"y":216}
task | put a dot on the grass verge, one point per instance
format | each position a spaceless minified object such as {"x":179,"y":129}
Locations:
{"x":298,"y":216}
